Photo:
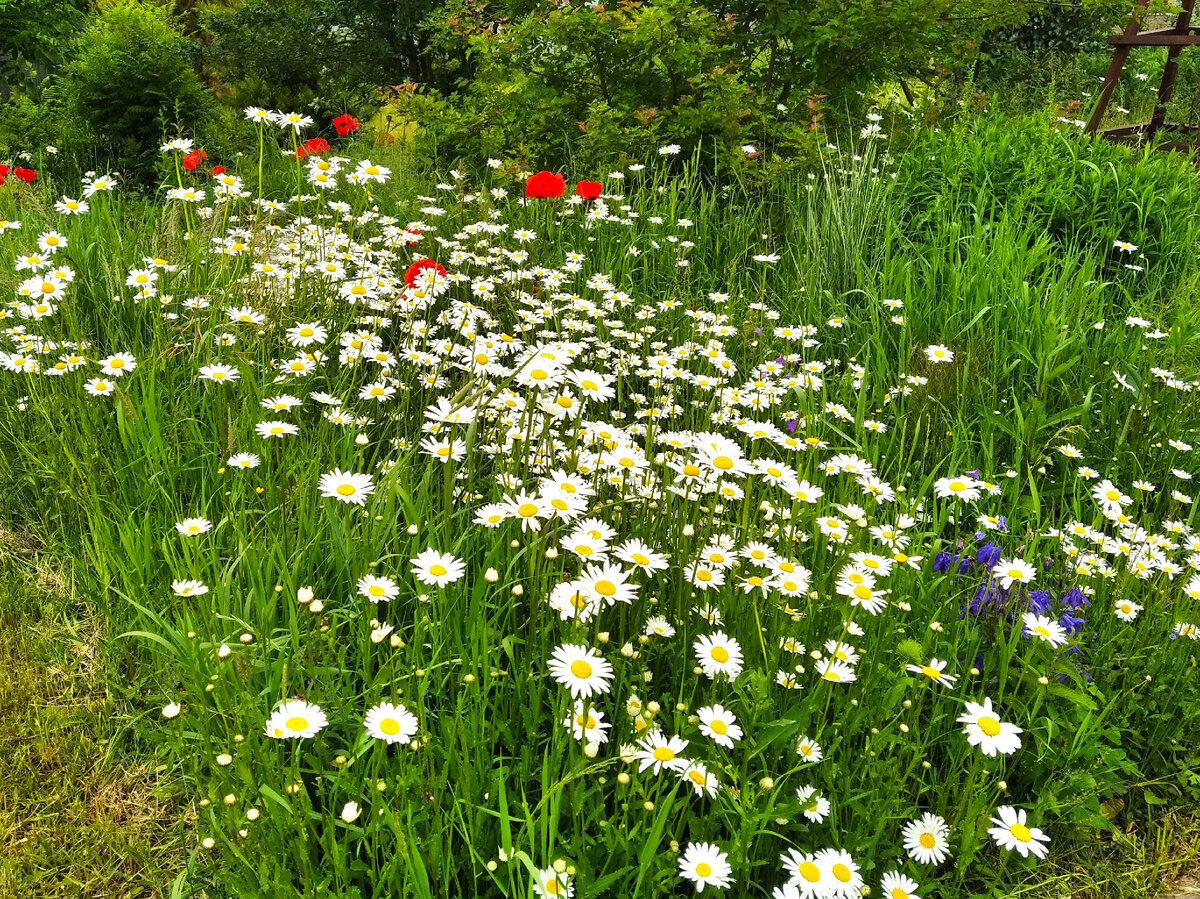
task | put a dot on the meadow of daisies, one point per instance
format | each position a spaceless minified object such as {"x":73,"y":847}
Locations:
{"x":480,"y":532}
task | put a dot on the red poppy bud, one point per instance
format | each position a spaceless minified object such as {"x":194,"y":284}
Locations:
{"x":545,"y":185}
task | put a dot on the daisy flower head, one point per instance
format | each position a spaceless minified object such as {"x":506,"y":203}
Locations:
{"x":118,"y":364}
{"x":552,"y":885}
{"x":935,"y":671}
{"x":435,"y":569}
{"x":983,"y":729}
{"x":377,"y":589}
{"x":391,"y":723}
{"x":581,"y":669}
{"x":243,"y":460}
{"x":896,"y":886}
{"x":939,"y":353}
{"x":1012,"y":831}
{"x":295,"y":719}
{"x":719,"y":725}
{"x":813,"y":805}
{"x":587,"y":723}
{"x":1013,"y":571}
{"x":704,"y":864}
{"x":1045,"y":629}
{"x":193,"y":527}
{"x":809,"y":750}
{"x":189,"y":588}
{"x":846,"y":882}
{"x":346,"y":486}
{"x":1127,"y":610}
{"x":807,"y":879}
{"x":719,"y":654}
{"x":927,"y":839}
{"x":657,"y":751}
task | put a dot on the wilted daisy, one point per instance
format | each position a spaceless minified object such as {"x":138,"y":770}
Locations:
{"x":295,"y":719}
{"x":346,"y":486}
{"x":391,"y":723}
{"x":704,"y":864}
{"x":1011,"y":831}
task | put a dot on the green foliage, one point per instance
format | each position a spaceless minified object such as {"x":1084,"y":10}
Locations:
{"x":596,"y":83}
{"x":322,"y":56}
{"x":1003,"y":273}
{"x":131,"y":81}
{"x":1080,"y":193}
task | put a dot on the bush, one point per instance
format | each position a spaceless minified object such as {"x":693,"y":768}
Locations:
{"x":130,"y":82}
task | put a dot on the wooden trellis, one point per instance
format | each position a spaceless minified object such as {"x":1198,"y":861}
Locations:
{"x":1182,"y":34}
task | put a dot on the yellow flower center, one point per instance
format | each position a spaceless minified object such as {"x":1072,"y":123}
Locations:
{"x":720,"y":654}
{"x":581,"y":669}
{"x":928,"y":841}
{"x":989,"y":725}
{"x":842,"y":873}
{"x":390,"y":726}
{"x":703,"y":869}
{"x":437,"y":570}
{"x":664,"y":753}
{"x":809,"y":872}
{"x":862,"y":592}
{"x":527,"y":510}
{"x":723,"y":462}
{"x":719,"y":727}
{"x":345,"y":489}
{"x":931,"y":672}
{"x":1021,"y":832}
{"x":296,"y":722}
{"x":606,"y":588}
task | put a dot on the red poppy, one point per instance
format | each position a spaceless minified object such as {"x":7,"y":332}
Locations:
{"x":589,"y":190}
{"x":193,"y":159}
{"x":345,"y":124}
{"x":26,"y":175}
{"x":1,"y":180}
{"x":315,"y":146}
{"x":414,"y":270}
{"x":3,"y":170}
{"x":545,"y":184}
{"x":218,"y":170}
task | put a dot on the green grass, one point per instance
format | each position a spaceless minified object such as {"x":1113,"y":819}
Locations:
{"x":999,"y":244}
{"x":83,"y":812}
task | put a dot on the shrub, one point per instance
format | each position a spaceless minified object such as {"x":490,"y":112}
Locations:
{"x":130,"y":81}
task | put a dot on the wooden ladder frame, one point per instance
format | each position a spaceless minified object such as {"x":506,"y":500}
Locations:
{"x":1182,"y":34}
